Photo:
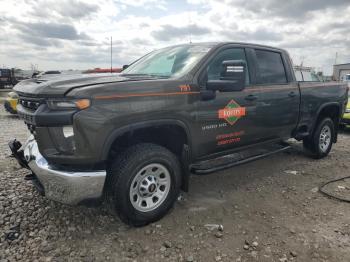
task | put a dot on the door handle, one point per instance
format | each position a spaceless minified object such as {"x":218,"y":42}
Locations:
{"x":292,"y":94}
{"x":251,"y":97}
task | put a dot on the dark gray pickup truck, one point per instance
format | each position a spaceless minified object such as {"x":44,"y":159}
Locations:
{"x":132,"y":139}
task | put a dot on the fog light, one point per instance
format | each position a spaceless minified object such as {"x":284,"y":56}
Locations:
{"x":63,"y":139}
{"x":68,"y":131}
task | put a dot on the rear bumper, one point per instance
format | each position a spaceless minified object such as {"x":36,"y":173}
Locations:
{"x":65,"y":186}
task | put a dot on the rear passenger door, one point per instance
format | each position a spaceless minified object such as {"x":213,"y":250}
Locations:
{"x":280,"y":97}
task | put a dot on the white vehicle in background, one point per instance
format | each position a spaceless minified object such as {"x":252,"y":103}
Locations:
{"x":346,"y":78}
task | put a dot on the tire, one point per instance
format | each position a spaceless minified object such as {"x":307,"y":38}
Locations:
{"x":143,"y":184}
{"x":321,"y":141}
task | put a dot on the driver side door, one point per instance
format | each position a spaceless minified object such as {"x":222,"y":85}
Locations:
{"x":219,"y":131}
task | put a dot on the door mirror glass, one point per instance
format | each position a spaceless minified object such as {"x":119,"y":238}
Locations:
{"x":232,"y":77}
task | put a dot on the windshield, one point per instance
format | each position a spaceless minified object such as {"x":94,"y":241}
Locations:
{"x":173,"y":61}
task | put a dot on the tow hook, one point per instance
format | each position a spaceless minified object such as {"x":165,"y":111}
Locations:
{"x":30,"y":177}
{"x":18,"y":154}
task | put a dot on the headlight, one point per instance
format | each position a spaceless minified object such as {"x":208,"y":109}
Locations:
{"x":347,"y":110}
{"x":13,"y":95}
{"x":68,"y":104}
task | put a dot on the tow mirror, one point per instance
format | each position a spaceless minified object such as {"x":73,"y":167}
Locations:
{"x":232,"y":77}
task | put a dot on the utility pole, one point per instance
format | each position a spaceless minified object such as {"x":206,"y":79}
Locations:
{"x":189,"y":28}
{"x":111,"y":56}
{"x":336,"y":58}
{"x":302,"y":58}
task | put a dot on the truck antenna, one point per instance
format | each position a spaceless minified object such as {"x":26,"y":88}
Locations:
{"x":111,"y":55}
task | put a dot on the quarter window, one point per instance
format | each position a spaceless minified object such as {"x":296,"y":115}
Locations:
{"x":270,"y":67}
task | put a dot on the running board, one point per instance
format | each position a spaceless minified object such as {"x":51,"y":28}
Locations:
{"x":228,"y":161}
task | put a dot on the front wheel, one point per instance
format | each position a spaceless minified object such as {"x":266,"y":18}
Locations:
{"x":144,"y":183}
{"x":320,"y":143}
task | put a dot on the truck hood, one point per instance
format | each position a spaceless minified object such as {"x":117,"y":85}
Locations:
{"x":59,"y":85}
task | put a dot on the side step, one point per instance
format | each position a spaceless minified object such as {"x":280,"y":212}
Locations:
{"x":242,"y":157}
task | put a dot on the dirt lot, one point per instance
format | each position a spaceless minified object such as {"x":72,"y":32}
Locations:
{"x":268,"y":214}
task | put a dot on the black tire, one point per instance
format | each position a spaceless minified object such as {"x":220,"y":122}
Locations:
{"x":313,"y":143}
{"x":123,"y":170}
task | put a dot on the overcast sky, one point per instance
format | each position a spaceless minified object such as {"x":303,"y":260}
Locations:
{"x":65,"y":34}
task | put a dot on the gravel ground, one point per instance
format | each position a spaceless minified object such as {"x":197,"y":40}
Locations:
{"x":270,"y":210}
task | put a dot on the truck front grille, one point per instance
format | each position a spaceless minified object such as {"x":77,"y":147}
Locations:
{"x":31,"y":103}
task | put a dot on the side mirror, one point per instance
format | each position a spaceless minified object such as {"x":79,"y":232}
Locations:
{"x":232,"y":77}
{"x":125,"y":67}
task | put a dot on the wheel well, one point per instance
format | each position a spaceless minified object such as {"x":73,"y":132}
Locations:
{"x":172,"y":137}
{"x":333,"y":112}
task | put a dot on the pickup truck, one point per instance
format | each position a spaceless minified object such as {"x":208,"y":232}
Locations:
{"x":132,"y":139}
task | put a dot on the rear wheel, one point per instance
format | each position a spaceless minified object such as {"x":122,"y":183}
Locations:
{"x":320,"y":143}
{"x":143,"y":184}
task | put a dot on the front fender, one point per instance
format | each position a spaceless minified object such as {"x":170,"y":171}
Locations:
{"x":143,"y":124}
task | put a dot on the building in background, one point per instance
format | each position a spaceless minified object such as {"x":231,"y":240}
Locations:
{"x":340,"y":70}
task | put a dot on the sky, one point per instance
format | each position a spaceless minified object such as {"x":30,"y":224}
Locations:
{"x":75,"y":34}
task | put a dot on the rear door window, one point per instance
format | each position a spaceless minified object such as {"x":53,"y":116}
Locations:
{"x":271,"y":68}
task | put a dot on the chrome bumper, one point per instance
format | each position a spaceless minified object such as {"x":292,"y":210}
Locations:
{"x":68,"y":187}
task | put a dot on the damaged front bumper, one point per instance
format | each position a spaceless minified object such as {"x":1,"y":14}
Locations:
{"x":65,"y":186}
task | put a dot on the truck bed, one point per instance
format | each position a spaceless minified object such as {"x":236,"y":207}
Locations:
{"x":317,"y":95}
